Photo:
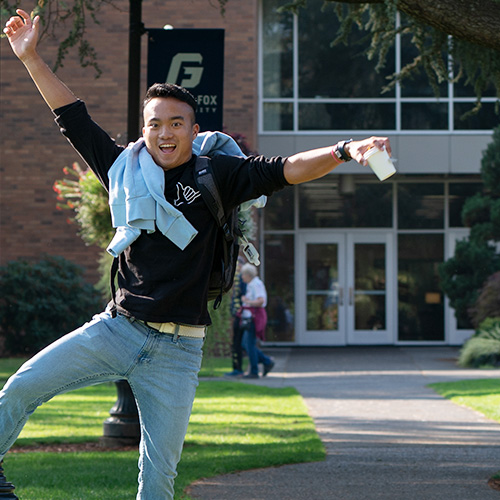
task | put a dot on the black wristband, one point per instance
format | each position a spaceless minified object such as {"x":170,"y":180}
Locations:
{"x":340,"y":152}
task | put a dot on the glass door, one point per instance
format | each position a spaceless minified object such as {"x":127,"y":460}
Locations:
{"x":369,"y":289}
{"x":344,"y":289}
{"x":420,"y":299}
{"x":320,"y":289}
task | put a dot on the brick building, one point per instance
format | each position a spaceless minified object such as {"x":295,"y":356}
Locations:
{"x":346,"y":259}
{"x":32,"y":152}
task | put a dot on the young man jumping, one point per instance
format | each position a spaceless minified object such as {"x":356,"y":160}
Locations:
{"x":155,"y":340}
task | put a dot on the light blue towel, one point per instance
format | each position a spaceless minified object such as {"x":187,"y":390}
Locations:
{"x":136,"y":193}
{"x":137,"y":201}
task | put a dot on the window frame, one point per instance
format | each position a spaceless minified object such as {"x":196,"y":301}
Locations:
{"x":398,"y":100}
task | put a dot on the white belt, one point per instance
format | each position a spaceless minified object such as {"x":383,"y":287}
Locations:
{"x":181,"y":330}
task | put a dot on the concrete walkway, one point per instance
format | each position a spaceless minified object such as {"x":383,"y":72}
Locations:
{"x":387,"y":435}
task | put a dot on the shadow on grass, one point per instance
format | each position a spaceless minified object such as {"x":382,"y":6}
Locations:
{"x":113,"y":475}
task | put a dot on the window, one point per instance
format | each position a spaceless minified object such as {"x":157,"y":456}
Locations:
{"x":459,"y":192}
{"x":428,"y":210}
{"x":325,"y":72}
{"x":327,"y":202}
{"x":421,"y":205}
{"x":308,"y":85}
{"x":279,"y":211}
{"x":277,"y":45}
{"x":420,"y":300}
{"x":279,"y":280}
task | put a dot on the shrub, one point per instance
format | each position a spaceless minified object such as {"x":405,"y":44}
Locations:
{"x":82,"y":193}
{"x":483,"y":348}
{"x":488,"y":303}
{"x":39,"y":302}
{"x":488,"y":328}
{"x":463,"y":275}
{"x":219,"y":334}
{"x":477,"y":257}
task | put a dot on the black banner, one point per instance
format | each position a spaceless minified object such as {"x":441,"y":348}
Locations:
{"x":194,"y":59}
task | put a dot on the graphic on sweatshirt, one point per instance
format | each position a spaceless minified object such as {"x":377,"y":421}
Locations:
{"x":185,"y":195}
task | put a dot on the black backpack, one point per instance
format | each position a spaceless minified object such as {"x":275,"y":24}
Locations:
{"x":227,"y":246}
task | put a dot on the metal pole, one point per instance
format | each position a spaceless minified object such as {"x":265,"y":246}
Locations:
{"x":122,"y":428}
{"x":136,"y":30}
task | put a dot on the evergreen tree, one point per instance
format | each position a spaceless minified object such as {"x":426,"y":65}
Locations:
{"x":477,"y":257}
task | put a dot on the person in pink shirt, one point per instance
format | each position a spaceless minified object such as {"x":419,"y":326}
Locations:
{"x":254,"y":321}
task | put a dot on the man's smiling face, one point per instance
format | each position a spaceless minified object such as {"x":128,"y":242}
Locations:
{"x":169,"y":131}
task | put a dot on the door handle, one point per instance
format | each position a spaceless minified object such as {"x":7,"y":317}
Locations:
{"x":341,"y":296}
{"x":351,"y":296}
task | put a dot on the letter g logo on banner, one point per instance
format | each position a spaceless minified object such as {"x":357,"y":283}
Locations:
{"x":193,"y":72}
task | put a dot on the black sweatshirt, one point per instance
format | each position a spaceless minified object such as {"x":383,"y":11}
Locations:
{"x":157,"y":281}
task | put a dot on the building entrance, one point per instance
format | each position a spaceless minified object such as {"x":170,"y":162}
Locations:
{"x":344,"y":288}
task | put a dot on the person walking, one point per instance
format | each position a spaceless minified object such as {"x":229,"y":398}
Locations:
{"x":254,"y":320}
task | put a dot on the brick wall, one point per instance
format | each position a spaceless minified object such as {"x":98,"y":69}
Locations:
{"x":32,"y":151}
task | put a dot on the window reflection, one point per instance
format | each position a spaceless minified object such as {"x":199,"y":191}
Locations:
{"x":485,"y":119}
{"x":420,"y":300}
{"x":278,"y":116}
{"x":279,"y":211}
{"x":321,"y":66}
{"x":424,"y":116}
{"x":459,"y":192}
{"x":300,"y":64}
{"x":277,"y":50}
{"x":325,"y":203}
{"x":418,"y":84}
{"x":369,"y":286}
{"x":347,"y":116}
{"x":279,"y":280}
{"x":322,"y":287}
{"x":372,"y":205}
{"x":420,"y":205}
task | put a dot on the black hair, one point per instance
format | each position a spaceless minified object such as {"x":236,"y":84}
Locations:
{"x":165,"y":90}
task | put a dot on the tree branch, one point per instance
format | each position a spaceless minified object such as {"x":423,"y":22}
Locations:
{"x":475,"y":21}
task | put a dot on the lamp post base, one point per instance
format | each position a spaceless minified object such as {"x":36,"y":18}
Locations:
{"x":122,"y":428}
{"x":6,"y":488}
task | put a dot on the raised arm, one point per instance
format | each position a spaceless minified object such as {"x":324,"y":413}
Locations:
{"x":23,"y":37}
{"x":310,"y":165}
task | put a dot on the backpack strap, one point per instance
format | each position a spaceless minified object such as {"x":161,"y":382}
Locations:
{"x":205,"y":181}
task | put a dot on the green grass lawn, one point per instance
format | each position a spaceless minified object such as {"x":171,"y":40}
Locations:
{"x":482,"y":395}
{"x":234,"y":426}
{"x":8,"y":366}
{"x":217,"y":367}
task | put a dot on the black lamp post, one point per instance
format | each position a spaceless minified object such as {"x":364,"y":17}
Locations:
{"x":122,"y":427}
{"x":136,"y":30}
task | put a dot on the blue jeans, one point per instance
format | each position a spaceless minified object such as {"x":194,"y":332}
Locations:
{"x":162,"y":371}
{"x":255,"y":355}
